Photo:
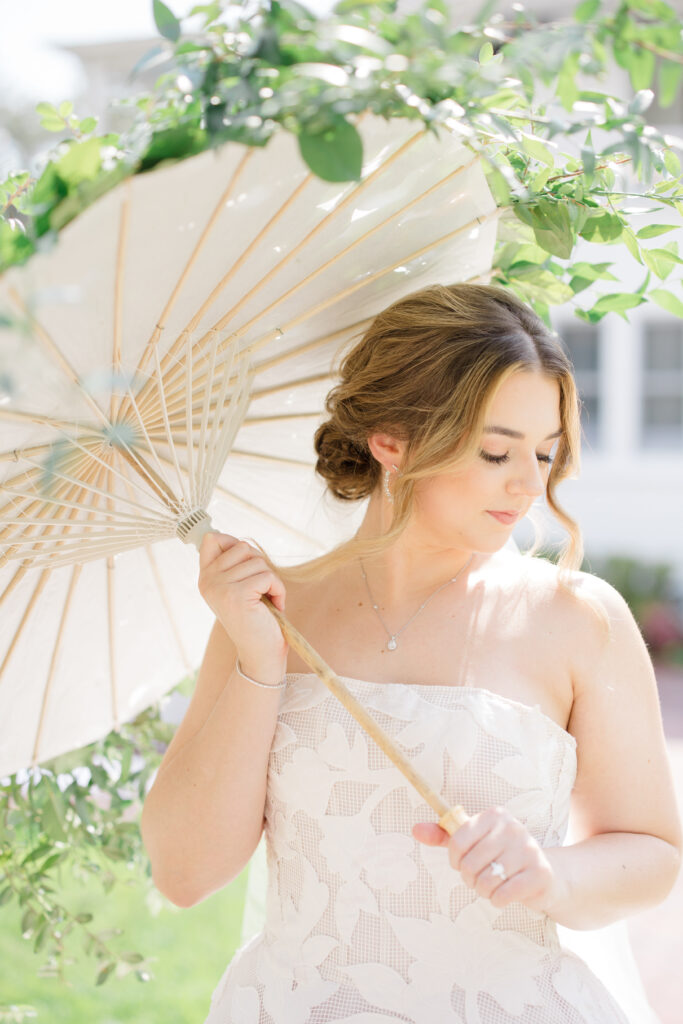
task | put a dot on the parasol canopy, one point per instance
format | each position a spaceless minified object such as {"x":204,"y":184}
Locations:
{"x":169,"y":358}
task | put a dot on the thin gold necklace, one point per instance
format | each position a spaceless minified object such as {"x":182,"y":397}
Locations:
{"x":392,"y":642}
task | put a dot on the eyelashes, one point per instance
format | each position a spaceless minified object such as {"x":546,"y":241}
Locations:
{"x":500,"y":459}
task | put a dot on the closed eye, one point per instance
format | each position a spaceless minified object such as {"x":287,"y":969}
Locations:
{"x":499,"y":459}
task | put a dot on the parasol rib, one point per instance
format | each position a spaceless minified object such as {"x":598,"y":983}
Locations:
{"x":58,"y":357}
{"x":255,"y":241}
{"x":169,"y":436}
{"x":310,"y":346}
{"x":282,"y":417}
{"x":57,"y":645}
{"x":218,"y":209}
{"x":71,"y":480}
{"x":362,"y":239}
{"x":271,"y":458}
{"x":40,"y":585}
{"x":247,"y":352}
{"x":118,"y":295}
{"x":351,"y":196}
{"x":111,"y":627}
{"x":266,"y":515}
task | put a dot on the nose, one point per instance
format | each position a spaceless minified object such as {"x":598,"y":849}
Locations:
{"x":529,"y":480}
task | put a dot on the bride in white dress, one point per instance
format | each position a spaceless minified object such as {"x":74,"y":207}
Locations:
{"x":520,"y":689}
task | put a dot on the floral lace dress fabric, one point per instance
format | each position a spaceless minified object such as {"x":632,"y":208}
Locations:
{"x":365,"y":925}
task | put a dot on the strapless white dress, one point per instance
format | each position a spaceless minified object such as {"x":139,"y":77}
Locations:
{"x":365,"y":925}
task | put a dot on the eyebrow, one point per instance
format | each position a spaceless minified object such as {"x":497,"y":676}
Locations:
{"x":516,"y":433}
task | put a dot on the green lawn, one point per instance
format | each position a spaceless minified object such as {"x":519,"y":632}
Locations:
{"x":189,"y":949}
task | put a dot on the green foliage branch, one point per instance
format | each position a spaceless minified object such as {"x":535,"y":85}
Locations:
{"x":79,"y":813}
{"x":517,"y":91}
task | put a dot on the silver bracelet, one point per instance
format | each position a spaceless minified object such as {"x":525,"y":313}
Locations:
{"x":264,"y":686}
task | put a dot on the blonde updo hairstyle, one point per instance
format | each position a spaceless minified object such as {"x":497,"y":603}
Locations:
{"x":425,"y":372}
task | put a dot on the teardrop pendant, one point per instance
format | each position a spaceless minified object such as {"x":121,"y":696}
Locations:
{"x":391,"y":644}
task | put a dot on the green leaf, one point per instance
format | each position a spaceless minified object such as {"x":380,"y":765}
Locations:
{"x":88,"y":124}
{"x":639,"y":62}
{"x":534,"y":147}
{"x":660,"y":261}
{"x":606,"y":227}
{"x":537,"y":184}
{"x":167,"y":25}
{"x":108,"y":968}
{"x":49,"y":118}
{"x":618,"y":302}
{"x":566,"y":88}
{"x":588,"y":160}
{"x":6,"y":895}
{"x":335,"y":154}
{"x":644,"y":285}
{"x":586,"y":10}
{"x":672,"y":163}
{"x":36,"y":854}
{"x":485,"y":53}
{"x":671,"y":303}
{"x":631,"y":244}
{"x":173,"y":144}
{"x":41,"y":935}
{"x":131,"y":958}
{"x":539,"y":285}
{"x":56,"y":858}
{"x":551,"y":225}
{"x":28,"y":920}
{"x":652,"y":230}
{"x":66,"y":108}
{"x":669,"y":78}
{"x":81,"y":162}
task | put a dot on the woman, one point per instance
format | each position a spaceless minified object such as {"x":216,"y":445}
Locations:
{"x":517,"y":688}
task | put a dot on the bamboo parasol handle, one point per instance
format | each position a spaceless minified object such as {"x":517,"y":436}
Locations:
{"x":450,"y":818}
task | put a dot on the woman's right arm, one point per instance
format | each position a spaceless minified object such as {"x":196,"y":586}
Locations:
{"x":203,"y":816}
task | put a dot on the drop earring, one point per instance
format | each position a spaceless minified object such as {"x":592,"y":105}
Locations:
{"x":386,"y":484}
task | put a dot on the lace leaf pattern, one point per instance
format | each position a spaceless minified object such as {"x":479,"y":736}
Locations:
{"x":365,"y":925}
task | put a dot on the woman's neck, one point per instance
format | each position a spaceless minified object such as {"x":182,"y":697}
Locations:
{"x":414,"y":565}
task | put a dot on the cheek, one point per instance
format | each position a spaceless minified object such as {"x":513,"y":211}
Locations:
{"x":467,"y":492}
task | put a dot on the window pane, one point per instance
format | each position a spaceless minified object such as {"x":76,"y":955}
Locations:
{"x":664,"y":347}
{"x":590,"y":419}
{"x":663,"y":411}
{"x":581,"y":345}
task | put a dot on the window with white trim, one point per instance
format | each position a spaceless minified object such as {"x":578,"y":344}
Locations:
{"x":662,"y":385}
{"x":582,"y":345}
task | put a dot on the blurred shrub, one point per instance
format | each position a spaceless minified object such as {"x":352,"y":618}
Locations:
{"x":650,"y":591}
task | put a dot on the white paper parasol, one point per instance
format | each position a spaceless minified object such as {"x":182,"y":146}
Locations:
{"x":214,"y":293}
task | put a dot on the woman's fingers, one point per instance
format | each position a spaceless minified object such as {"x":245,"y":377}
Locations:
{"x":430,"y":835}
{"x":496,"y":856}
{"x":213,"y":543}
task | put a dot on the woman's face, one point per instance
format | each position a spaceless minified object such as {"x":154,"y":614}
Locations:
{"x":508,"y":474}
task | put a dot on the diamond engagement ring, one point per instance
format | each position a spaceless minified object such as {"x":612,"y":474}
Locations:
{"x":498,"y":870}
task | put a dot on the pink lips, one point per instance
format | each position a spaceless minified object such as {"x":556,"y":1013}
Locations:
{"x":505,"y":517}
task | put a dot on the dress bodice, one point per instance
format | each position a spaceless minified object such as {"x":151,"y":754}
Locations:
{"x":363,"y":923}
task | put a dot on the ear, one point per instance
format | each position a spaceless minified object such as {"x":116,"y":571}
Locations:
{"x":387,"y":450}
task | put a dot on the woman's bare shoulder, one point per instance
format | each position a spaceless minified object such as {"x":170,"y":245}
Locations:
{"x":569,"y":598}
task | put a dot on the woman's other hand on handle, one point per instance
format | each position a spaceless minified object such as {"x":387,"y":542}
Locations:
{"x":496,"y":836}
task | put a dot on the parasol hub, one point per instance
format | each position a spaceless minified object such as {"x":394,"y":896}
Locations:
{"x":192,"y":528}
